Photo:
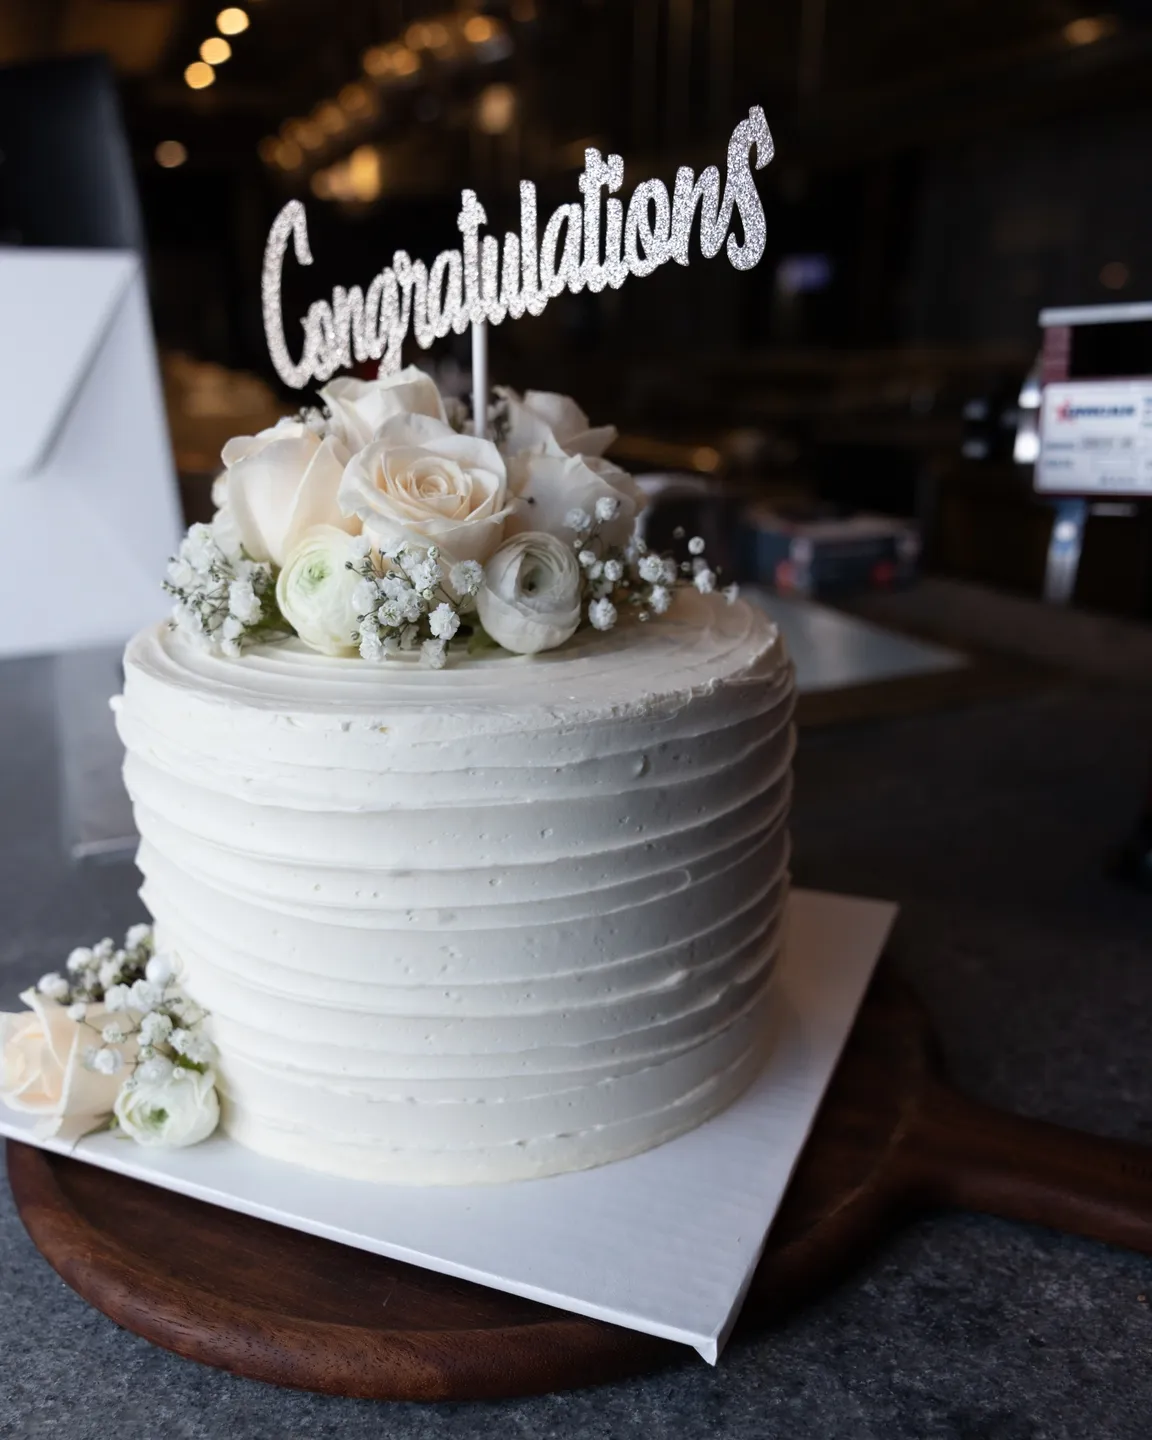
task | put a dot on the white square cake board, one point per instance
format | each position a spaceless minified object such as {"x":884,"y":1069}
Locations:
{"x":665,"y":1243}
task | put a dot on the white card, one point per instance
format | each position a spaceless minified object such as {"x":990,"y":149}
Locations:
{"x":86,"y":458}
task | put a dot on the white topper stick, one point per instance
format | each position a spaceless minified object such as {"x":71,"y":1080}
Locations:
{"x":480,"y":378}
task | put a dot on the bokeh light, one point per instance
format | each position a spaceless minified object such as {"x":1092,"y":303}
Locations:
{"x":199,"y":76}
{"x":215,"y":50}
{"x":232,"y":21}
{"x":170,"y":154}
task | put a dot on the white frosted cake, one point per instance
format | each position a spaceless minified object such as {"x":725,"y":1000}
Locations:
{"x":510,"y":918}
{"x":463,"y":809}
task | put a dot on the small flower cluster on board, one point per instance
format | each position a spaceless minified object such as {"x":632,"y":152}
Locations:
{"x":112,"y":1041}
{"x":377,"y":526}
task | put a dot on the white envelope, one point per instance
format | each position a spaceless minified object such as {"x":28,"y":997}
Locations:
{"x":89,"y":510}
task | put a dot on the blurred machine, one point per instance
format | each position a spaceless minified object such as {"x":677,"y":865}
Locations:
{"x":1085,"y":419}
{"x":812,"y":551}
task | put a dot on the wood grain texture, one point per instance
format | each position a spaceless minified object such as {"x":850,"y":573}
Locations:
{"x":273,"y":1304}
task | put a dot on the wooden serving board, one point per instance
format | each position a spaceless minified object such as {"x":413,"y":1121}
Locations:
{"x":274,"y":1304}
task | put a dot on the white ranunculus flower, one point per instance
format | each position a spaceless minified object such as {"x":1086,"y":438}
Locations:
{"x":42,"y":1069}
{"x":281,"y":483}
{"x":422,"y":484}
{"x":555,"y":424}
{"x":316,"y":591}
{"x":549,"y":487}
{"x":530,"y":598}
{"x":359,"y":407}
{"x":170,"y":1111}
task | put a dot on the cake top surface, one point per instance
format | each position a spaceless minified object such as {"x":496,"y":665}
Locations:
{"x":704,"y":644}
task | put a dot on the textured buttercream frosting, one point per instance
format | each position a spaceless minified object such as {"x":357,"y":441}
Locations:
{"x":506,"y":919}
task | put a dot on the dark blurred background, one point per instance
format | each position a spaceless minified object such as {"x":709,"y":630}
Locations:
{"x":943,"y":172}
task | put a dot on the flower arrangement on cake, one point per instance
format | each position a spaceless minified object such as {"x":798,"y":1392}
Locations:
{"x":379,"y":524}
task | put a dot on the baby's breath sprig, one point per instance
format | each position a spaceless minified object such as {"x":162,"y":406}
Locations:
{"x":135,"y":986}
{"x":223,"y":600}
{"x":402,"y":602}
{"x":633,"y":575}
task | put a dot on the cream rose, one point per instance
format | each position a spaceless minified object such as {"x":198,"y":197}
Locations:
{"x":420,"y":483}
{"x":225,"y":530}
{"x":315,"y":590}
{"x":530,"y":598}
{"x":548,"y":487}
{"x":177,"y":1109}
{"x":544,"y":421}
{"x":359,"y":407}
{"x":280,"y":483}
{"x":42,"y":1069}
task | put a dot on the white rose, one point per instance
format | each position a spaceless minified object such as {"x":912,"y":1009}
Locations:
{"x":172,"y":1110}
{"x":530,"y":598}
{"x":549,"y":487}
{"x":421,"y":483}
{"x":280,"y":483}
{"x":226,"y":531}
{"x":359,"y":407}
{"x":555,"y":424}
{"x":316,"y":590}
{"x":42,"y":1070}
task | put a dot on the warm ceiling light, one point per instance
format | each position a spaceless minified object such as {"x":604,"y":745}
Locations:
{"x":364,"y":172}
{"x":355,"y":99}
{"x":289,"y":155}
{"x":329,"y":117}
{"x":269,"y":150}
{"x":1089,"y":29}
{"x":419,"y":35}
{"x":199,"y":76}
{"x":215,"y":50}
{"x":479,"y":29}
{"x":309,"y":135}
{"x":232,"y":21}
{"x":170,"y":154}
{"x":1115,"y":275}
{"x":321,"y":184}
{"x":496,"y":109}
{"x":436,"y":35}
{"x":395,"y":59}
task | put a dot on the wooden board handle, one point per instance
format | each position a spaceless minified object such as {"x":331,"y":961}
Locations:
{"x":973,"y":1157}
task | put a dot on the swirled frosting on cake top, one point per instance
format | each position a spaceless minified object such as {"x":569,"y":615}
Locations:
{"x":497,"y":921}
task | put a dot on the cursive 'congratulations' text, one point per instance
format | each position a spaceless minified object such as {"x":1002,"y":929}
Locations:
{"x":584,"y":244}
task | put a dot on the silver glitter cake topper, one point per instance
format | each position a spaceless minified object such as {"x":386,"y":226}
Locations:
{"x":487,"y":280}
